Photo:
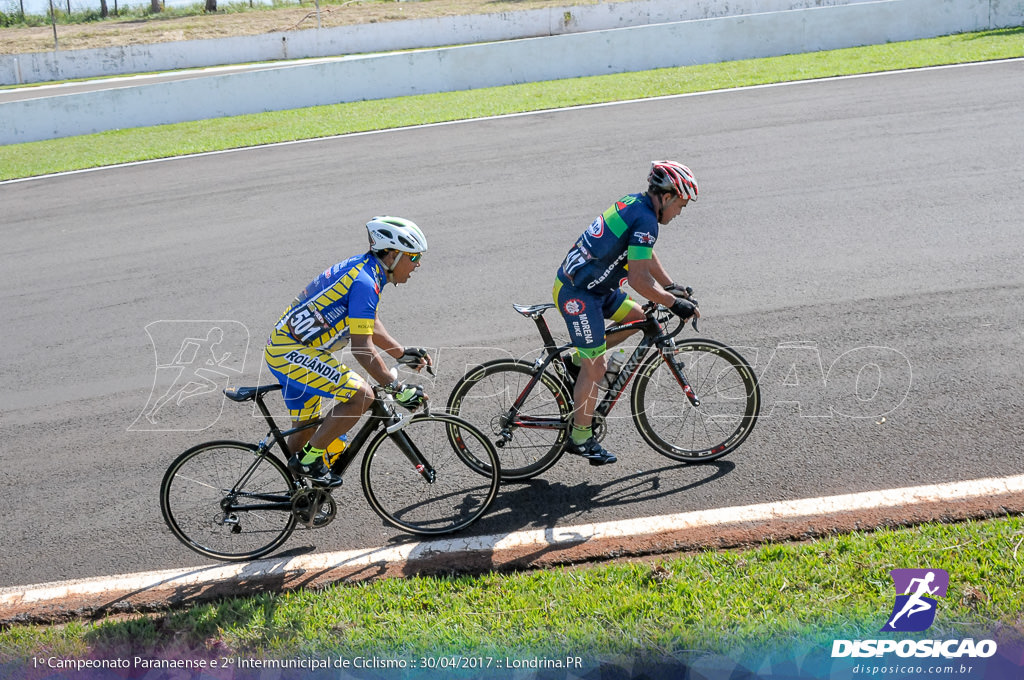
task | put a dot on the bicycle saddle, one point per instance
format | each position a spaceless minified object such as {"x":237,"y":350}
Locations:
{"x":249,"y":393}
{"x":533,"y":310}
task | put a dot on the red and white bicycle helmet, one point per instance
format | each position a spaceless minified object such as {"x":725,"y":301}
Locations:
{"x":672,"y":177}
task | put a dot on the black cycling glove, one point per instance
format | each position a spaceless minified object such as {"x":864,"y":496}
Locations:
{"x":416,"y":358}
{"x":682,"y":292}
{"x":684,"y":309}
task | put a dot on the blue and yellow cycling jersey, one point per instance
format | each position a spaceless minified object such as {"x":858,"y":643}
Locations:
{"x":341,"y":300}
{"x":625,"y":231}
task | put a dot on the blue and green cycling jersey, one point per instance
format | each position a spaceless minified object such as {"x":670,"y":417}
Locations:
{"x":625,"y":231}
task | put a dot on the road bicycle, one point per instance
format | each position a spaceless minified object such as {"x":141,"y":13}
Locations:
{"x":693,"y":400}
{"x":232,"y":500}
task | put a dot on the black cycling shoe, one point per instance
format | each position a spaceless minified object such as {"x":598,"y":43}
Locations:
{"x":317,"y":471}
{"x":592,"y":451}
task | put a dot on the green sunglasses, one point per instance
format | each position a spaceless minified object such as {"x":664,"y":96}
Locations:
{"x":415,"y":257}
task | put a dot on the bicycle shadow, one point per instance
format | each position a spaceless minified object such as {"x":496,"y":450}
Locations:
{"x":536,"y":517}
{"x":544,"y":510}
{"x":527,"y":525}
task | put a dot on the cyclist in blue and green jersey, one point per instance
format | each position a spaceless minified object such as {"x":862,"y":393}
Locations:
{"x":617,"y":248}
{"x":340,"y":306}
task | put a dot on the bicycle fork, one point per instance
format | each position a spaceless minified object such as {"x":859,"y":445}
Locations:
{"x":676,"y":368}
{"x":394,"y":424}
{"x":412,"y":452}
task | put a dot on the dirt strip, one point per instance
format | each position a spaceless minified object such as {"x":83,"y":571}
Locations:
{"x":91,"y":598}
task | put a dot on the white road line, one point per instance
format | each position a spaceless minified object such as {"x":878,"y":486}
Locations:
{"x":510,"y":115}
{"x":553,"y":537}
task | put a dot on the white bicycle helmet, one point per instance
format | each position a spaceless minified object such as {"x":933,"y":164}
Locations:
{"x":673,"y":178}
{"x":395,"y":233}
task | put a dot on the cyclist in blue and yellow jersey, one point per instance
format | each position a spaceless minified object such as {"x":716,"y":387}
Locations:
{"x":617,"y":248}
{"x":338,"y":306}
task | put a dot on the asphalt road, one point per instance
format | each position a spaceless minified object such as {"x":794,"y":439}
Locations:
{"x":859,"y":238}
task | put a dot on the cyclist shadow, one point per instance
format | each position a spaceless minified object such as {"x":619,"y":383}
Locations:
{"x":551,"y":502}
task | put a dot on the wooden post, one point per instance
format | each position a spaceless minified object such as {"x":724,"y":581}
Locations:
{"x":53,"y":21}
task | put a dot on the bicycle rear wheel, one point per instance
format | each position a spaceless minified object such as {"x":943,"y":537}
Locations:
{"x":531,"y":442}
{"x":448,"y":495}
{"x":729,"y":402}
{"x":225,"y":500}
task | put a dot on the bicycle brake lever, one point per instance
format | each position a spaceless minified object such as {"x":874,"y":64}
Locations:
{"x":694,"y":324}
{"x":400,"y":422}
{"x":429,"y":367}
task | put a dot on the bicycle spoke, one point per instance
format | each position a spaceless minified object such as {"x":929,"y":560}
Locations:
{"x":729,"y":402}
{"x":532,"y":441}
{"x":208,"y":514}
{"x":458,"y":494}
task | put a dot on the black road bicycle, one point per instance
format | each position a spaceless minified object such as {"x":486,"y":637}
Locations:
{"x":693,"y":400}
{"x":233,"y":500}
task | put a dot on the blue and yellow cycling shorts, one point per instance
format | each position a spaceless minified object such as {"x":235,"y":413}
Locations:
{"x":584,"y":313}
{"x":308,"y":374}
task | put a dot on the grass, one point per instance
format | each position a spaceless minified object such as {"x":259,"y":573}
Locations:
{"x":776,"y":596}
{"x":123,"y":146}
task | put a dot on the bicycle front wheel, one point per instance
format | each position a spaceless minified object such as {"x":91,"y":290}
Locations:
{"x":415,"y":480}
{"x":530,"y":441}
{"x":225,"y":500}
{"x":729,"y":398}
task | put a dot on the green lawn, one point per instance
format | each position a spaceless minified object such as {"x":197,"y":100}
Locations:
{"x":123,"y":146}
{"x":716,"y":602}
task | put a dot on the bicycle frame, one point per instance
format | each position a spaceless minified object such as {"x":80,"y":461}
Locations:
{"x":217,"y":490}
{"x":653,"y":336}
{"x":382,"y":414}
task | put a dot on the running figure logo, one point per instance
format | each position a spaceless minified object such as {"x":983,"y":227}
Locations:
{"x":194,"y":362}
{"x":914,"y":610}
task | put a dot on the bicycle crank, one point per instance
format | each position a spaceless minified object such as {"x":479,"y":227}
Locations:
{"x":314,"y":507}
{"x":597,"y":426}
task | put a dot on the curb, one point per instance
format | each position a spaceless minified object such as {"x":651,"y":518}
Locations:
{"x":736,"y":527}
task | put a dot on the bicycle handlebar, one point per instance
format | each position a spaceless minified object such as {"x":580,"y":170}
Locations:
{"x":653,"y":310}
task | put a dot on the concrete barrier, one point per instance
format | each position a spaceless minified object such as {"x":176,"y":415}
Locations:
{"x":375,"y":37}
{"x":474,"y":66}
